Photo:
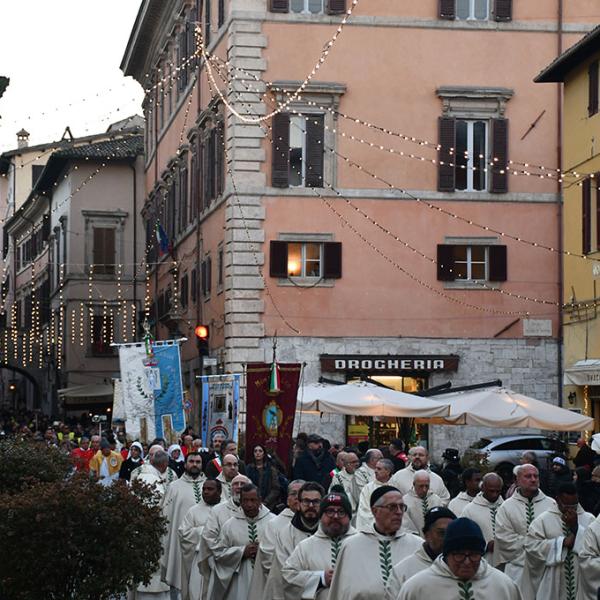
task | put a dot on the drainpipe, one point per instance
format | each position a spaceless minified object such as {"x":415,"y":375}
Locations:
{"x":134,"y":173}
{"x":559,"y":100}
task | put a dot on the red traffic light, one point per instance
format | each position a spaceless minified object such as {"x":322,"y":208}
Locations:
{"x":202,"y":332}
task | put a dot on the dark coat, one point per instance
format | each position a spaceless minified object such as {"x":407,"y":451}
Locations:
{"x":267,"y":480}
{"x":585,"y":457}
{"x":315,"y":467}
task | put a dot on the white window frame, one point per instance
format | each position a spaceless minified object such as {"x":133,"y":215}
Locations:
{"x":471,"y":16}
{"x":470,"y":163}
{"x":305,"y":10}
{"x":469,"y":262}
{"x":303,"y":260}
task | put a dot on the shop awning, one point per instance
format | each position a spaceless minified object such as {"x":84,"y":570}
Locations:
{"x":91,"y":390}
{"x":583,"y":372}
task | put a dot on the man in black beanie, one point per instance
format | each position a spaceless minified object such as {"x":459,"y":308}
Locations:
{"x":308,"y":572}
{"x":365,"y":562}
{"x":461,"y":571}
{"x":437,"y":520}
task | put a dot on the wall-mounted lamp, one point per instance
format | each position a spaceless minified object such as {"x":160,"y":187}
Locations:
{"x":572,"y":397}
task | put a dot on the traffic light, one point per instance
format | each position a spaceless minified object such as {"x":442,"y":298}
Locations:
{"x":202,"y":333}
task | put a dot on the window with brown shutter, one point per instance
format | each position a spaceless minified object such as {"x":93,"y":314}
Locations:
{"x":104,"y":250}
{"x":220,"y":166}
{"x":447,"y":9}
{"x":279,"y":6}
{"x":593,"y":88}
{"x":336,"y":7}
{"x":586,"y":216}
{"x":445,"y":262}
{"x":184,"y":292}
{"x":278,"y":259}
{"x":194,"y":286}
{"x":102,"y":326}
{"x":471,"y":262}
{"x":207,"y":22}
{"x":503,"y":10}
{"x":315,"y":138}
{"x":281,"y":150}
{"x":332,"y":260}
{"x":497,"y":263}
{"x":447,"y":136}
{"x":221,"y":15}
{"x":499,"y":183}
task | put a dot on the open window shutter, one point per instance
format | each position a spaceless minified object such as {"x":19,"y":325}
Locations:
{"x":98,"y":249}
{"x":498,"y":263}
{"x":593,"y":88}
{"x":447,"y":9}
{"x":446,"y":182}
{"x":281,"y":150}
{"x":586,"y":221}
{"x":279,"y":6}
{"x":208,"y":274}
{"x":503,"y":10}
{"x":315,"y":138}
{"x":597,"y":188}
{"x":332,"y":260}
{"x":278,"y":259}
{"x":109,"y":250}
{"x":499,"y":183}
{"x":336,"y":7}
{"x":445,"y":262}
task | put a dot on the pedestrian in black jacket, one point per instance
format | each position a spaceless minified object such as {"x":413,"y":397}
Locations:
{"x":315,"y":463}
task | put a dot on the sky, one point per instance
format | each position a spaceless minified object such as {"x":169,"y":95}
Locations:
{"x":62,"y":58}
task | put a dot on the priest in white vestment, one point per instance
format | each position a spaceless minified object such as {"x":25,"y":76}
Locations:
{"x":589,"y":563}
{"x":230,"y":469}
{"x":365,"y":561}
{"x":235,"y":553}
{"x":154,"y":475}
{"x":471,"y":480}
{"x":195,"y":571}
{"x":383,"y":472}
{"x":483,"y":510}
{"x":419,"y":461}
{"x":434,"y":531}
{"x":304,"y":524}
{"x":345,"y":477}
{"x":264,"y":558}
{"x":419,"y":499}
{"x":366,"y":472}
{"x":308,"y":572}
{"x":180,"y":497}
{"x":514,"y":518}
{"x":460,"y":573}
{"x":554,"y":541}
{"x":169,"y":475}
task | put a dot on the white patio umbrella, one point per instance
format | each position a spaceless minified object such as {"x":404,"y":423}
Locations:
{"x":500,"y":407}
{"x":368,"y":400}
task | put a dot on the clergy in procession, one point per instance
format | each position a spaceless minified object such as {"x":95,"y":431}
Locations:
{"x":365,"y":561}
{"x":514,"y":518}
{"x":303,"y":524}
{"x":230,"y":470}
{"x":419,"y":461}
{"x":264,"y":558}
{"x":180,"y":497}
{"x":308,"y":572}
{"x":589,"y":563}
{"x":212,"y":530}
{"x":483,"y":510}
{"x":195,"y":571}
{"x":345,"y":477}
{"x":235,"y":553}
{"x":154,"y":475}
{"x":419,"y":500}
{"x":366,"y":472}
{"x":554,"y":541}
{"x":105,"y":464}
{"x":461,"y":572}
{"x":434,"y":531}
{"x":168,"y":475}
{"x":384,"y":469}
{"x":471,"y":480}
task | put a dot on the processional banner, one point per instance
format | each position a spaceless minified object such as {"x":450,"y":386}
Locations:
{"x":220,"y":406}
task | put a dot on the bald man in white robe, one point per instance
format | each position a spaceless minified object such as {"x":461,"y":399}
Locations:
{"x":419,"y":500}
{"x":589,"y":563}
{"x":383,"y":472}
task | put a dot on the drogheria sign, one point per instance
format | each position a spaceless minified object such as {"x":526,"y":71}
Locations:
{"x":388,"y":363}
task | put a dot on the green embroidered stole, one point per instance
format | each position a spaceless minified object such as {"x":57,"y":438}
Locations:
{"x":493,"y":511}
{"x":424,"y":505}
{"x":385,"y":560}
{"x":529,"y":512}
{"x":336,"y":545}
{"x":465,"y":589}
{"x":197,"y":491}
{"x":252,"y":535}
{"x":569,"y":569}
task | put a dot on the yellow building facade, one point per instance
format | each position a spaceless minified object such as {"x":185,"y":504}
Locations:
{"x":577,"y":69}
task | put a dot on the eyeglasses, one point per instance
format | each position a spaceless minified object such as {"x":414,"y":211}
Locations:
{"x":393,"y":507}
{"x":463,"y":556}
{"x":308,"y":502}
{"x":335,"y":512}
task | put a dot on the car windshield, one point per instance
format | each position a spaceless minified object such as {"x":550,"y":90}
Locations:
{"x":482,"y":443}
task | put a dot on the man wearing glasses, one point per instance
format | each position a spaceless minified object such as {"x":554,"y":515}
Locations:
{"x":365,"y":561}
{"x":345,"y":477}
{"x":461,"y":571}
{"x":303,"y":525}
{"x":308,"y":572}
{"x":552,"y":548}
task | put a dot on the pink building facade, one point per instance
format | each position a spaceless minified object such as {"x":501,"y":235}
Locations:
{"x":332,"y":225}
